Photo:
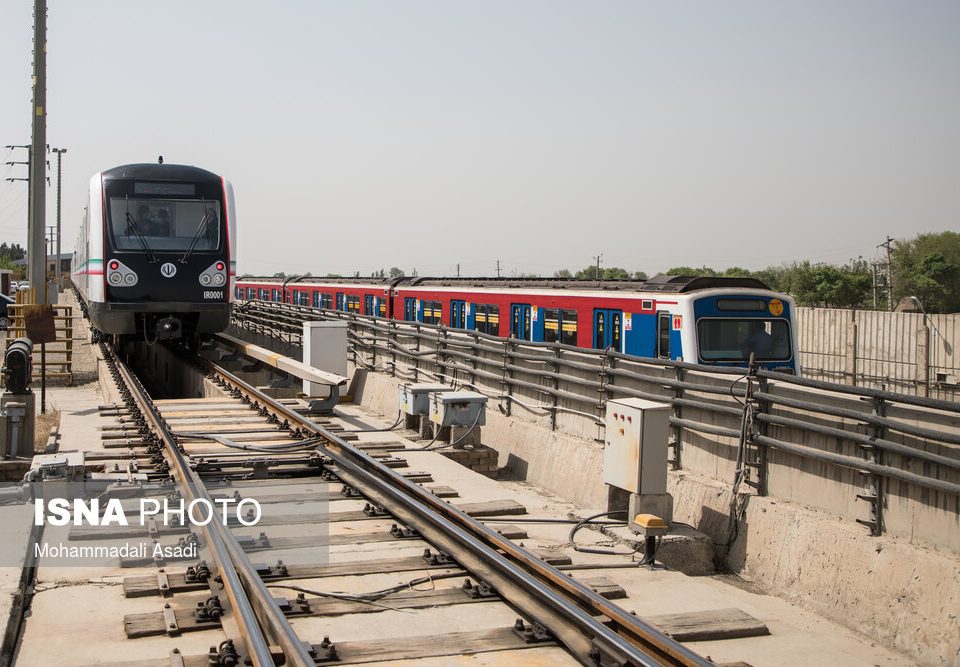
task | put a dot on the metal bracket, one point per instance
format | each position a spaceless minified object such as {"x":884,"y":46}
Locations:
{"x":404,"y":532}
{"x":439,"y":558}
{"x":350,"y":492}
{"x":197,"y":573}
{"x":209,"y":610}
{"x":373,"y":510}
{"x":535,"y":633}
{"x":170,"y":623}
{"x":480,"y":590}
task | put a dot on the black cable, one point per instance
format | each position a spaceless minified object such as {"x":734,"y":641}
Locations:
{"x":376,"y":430}
{"x":595,"y":550}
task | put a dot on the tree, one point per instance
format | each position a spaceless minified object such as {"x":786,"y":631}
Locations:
{"x":396,"y":272}
{"x":828,"y":285}
{"x":736,"y":272}
{"x":563,"y":273}
{"x":640,"y":275}
{"x":609,"y":273}
{"x":690,"y":271}
{"x":279,"y":274}
{"x":927,"y":267}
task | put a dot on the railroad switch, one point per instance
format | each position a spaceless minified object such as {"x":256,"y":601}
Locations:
{"x":534,"y":633}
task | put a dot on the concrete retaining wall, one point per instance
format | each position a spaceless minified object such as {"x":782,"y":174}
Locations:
{"x":902,"y":594}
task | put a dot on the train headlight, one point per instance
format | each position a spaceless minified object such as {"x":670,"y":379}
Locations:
{"x":120,"y":275}
{"x":215,"y":274}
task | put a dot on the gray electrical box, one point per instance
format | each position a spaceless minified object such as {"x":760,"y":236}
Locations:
{"x":458,"y":408}
{"x":635,"y":446}
{"x":324,"y":348}
{"x":415,"y":398}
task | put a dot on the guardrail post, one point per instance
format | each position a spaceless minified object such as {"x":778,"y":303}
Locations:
{"x":416,"y":358}
{"x":758,"y":453}
{"x":508,"y":346}
{"x":393,"y":343}
{"x":441,"y":353}
{"x":373,"y":350}
{"x":873,"y":483}
{"x":475,"y":359}
{"x":556,"y":387}
{"x":677,"y":442}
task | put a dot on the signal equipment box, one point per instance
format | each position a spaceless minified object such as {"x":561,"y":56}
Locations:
{"x":635,"y":447}
{"x":458,"y":408}
{"x":415,"y":398}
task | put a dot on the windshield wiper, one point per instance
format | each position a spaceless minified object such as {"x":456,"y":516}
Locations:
{"x":132,"y":224}
{"x":208,"y":217}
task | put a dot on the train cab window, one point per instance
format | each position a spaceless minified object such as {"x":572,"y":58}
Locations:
{"x":487,"y":319}
{"x":152,"y":224}
{"x":432,"y":312}
{"x":663,"y":335}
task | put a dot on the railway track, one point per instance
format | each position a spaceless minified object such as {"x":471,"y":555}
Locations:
{"x":315,"y":581}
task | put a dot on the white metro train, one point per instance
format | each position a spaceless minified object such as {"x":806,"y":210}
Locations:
{"x":155,"y":256}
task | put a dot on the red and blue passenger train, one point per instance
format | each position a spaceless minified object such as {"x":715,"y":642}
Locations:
{"x":704,"y":320}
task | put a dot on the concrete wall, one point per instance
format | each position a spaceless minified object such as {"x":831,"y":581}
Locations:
{"x":887,"y":587}
{"x":902,"y":352}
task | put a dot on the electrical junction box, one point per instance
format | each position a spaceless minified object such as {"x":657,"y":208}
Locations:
{"x":415,"y":398}
{"x":458,"y":408}
{"x":635,"y":446}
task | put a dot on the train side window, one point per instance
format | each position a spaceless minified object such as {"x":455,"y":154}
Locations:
{"x":383,"y":308}
{"x":238,"y":292}
{"x":341,"y":302}
{"x":568,"y":327}
{"x":353,"y":303}
{"x":663,"y":335}
{"x":551,"y":325}
{"x":493,"y":320}
{"x":316,"y":299}
{"x":432,"y":312}
{"x":275,"y":295}
{"x":599,"y":329}
{"x":262,"y":294}
{"x":251,"y":294}
{"x":326,"y":300}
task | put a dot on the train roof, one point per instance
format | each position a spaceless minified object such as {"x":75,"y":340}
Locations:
{"x":659,"y":283}
{"x":162,"y":172}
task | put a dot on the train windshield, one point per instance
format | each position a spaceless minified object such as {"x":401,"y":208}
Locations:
{"x":164,"y":224}
{"x":730,"y":339}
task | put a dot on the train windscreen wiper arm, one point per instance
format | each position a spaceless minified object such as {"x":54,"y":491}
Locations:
{"x":201,"y":230}
{"x":132,"y":224}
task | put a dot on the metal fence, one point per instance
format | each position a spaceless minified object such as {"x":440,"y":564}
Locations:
{"x":890,"y":461}
{"x":905,"y":352}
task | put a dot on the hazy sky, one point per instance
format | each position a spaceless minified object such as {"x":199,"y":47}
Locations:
{"x":362,"y":135}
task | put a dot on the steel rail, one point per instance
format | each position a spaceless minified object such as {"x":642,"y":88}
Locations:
{"x":535,"y":587}
{"x":230,"y":560}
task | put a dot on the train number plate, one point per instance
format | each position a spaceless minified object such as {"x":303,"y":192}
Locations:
{"x":213,"y":294}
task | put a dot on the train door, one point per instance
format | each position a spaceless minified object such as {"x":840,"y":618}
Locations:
{"x":410,"y":309}
{"x":341,"y":302}
{"x":607,"y":329}
{"x":458,"y":314}
{"x":368,"y":306}
{"x":520,"y":322}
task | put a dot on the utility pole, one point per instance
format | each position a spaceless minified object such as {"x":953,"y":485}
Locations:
{"x":887,"y":244}
{"x":498,"y":268}
{"x":59,"y":152}
{"x":598,"y":258}
{"x":36,"y":251}
{"x":458,"y":270}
